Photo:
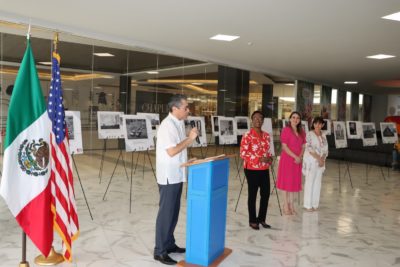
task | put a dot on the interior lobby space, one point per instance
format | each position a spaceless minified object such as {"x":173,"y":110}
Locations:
{"x":356,"y":226}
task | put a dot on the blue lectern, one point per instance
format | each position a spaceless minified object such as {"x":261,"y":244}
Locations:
{"x":206,"y":211}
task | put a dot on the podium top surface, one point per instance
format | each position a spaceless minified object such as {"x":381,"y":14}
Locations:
{"x":199,"y":161}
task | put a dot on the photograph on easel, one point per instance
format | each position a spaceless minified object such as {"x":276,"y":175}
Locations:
{"x":137,"y":133}
{"x":354,"y":129}
{"x":109,"y":124}
{"x":73,"y":121}
{"x":215,"y":125}
{"x":327,"y":127}
{"x":267,"y":127}
{"x":339,"y":128}
{"x":199,"y":123}
{"x":242,"y":125}
{"x":154,"y":119}
{"x":304,"y":125}
{"x":227,"y":131}
{"x":369,"y":134}
{"x":389,"y":132}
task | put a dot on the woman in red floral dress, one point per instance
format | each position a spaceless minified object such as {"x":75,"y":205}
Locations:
{"x":254,"y":149}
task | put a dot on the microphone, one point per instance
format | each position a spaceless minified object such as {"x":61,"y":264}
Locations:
{"x":193,"y":125}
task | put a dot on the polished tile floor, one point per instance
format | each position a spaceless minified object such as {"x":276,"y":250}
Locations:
{"x":357,"y":226}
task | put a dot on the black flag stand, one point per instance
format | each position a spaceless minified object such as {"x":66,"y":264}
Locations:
{"x":80,"y":182}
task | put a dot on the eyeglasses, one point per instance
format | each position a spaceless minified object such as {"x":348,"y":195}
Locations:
{"x":184,"y":107}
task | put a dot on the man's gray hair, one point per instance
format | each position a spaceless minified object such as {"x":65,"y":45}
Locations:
{"x":176,"y":101}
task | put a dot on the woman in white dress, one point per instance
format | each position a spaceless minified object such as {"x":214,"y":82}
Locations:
{"x":314,"y":164}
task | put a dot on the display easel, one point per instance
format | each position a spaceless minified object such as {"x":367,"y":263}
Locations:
{"x":347,"y":171}
{"x":274,"y":188}
{"x":112,"y":175}
{"x":80,"y":182}
{"x":102,"y":159}
{"x":367,"y":166}
{"x":144,"y":163}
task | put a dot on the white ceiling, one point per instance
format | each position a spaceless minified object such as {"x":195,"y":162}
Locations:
{"x":325,"y":42}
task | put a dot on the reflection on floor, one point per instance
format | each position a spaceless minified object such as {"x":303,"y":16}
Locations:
{"x":354,"y":227}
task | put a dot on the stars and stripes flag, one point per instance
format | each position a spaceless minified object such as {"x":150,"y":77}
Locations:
{"x":62,"y":186}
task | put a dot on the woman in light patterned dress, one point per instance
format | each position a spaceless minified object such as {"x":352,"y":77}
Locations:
{"x":314,"y":164}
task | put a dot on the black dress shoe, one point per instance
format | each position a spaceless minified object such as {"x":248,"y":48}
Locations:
{"x":176,"y":249}
{"x":265,"y":225}
{"x":165,"y":259}
{"x":254,"y":226}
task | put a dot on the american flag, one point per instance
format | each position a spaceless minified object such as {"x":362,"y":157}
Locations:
{"x":62,"y":184}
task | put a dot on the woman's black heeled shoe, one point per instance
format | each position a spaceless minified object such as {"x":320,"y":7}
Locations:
{"x":265,"y":225}
{"x":254,"y":226}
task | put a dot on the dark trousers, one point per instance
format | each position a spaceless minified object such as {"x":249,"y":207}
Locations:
{"x":167,"y":218}
{"x":257,"y":179}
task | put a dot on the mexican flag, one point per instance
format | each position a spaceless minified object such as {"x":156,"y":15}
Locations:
{"x":26,"y":170}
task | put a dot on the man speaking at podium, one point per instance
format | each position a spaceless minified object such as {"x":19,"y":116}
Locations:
{"x":171,"y":153}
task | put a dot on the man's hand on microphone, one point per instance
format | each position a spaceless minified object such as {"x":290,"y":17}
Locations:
{"x":193,"y":134}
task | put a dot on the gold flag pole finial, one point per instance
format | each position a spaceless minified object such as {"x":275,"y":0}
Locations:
{"x":55,"y":41}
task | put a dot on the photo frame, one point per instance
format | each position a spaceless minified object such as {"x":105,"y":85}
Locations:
{"x":74,"y":128}
{"x":304,"y":125}
{"x":327,"y":128}
{"x":227,"y":131}
{"x":339,"y":132}
{"x":109,"y":124}
{"x":242,"y":124}
{"x":137,"y":133}
{"x":369,"y":134}
{"x":267,"y":127}
{"x":389,"y":132}
{"x":154,"y":119}
{"x":215,"y":125}
{"x":354,"y":129}
{"x":199,"y":123}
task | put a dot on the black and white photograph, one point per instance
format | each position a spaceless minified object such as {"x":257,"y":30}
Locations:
{"x":339,"y":132}
{"x":199,"y":123}
{"x":136,"y":129}
{"x":389,"y":132}
{"x":110,"y":124}
{"x":138,"y":134}
{"x":227,"y":130}
{"x":69,"y":121}
{"x":242,"y":124}
{"x":109,"y":121}
{"x":215,"y":125}
{"x":354,"y":129}
{"x":327,"y":127}
{"x":304,"y":125}
{"x":154,"y":119}
{"x":369,"y":134}
{"x":267,"y":127}
{"x":73,"y":121}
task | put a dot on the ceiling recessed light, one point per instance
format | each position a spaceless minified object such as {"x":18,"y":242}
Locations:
{"x":289,"y":84}
{"x":45,"y":62}
{"x":224,"y":37}
{"x":394,"y":16}
{"x":103,"y":54}
{"x":152,"y":72}
{"x":350,"y":82}
{"x":380,"y":56}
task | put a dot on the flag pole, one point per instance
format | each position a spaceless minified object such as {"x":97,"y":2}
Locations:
{"x":23,"y":262}
{"x":54,"y":257}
